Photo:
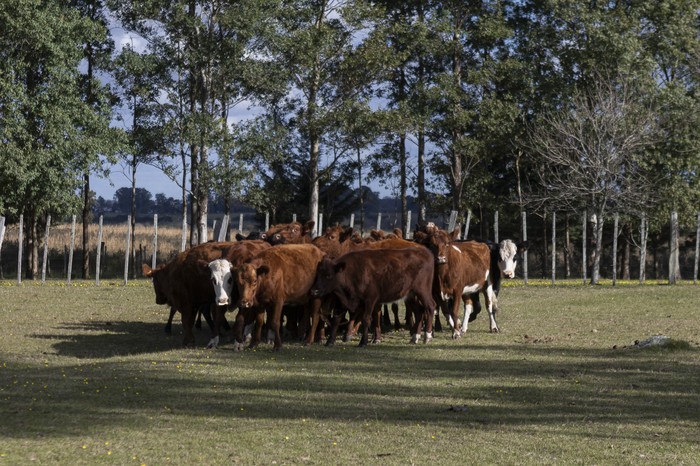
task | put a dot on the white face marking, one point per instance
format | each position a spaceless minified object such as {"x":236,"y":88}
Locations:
{"x":507,"y":258}
{"x":222,"y":280}
{"x":456,"y":249}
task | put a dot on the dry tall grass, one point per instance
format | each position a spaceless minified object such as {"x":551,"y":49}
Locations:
{"x":114,"y":238}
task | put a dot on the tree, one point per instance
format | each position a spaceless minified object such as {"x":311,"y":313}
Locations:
{"x":44,"y":123}
{"x":313,"y":53}
{"x":100,"y":140}
{"x":590,"y":154}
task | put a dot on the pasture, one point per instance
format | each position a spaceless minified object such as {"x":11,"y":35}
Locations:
{"x":87,"y":376}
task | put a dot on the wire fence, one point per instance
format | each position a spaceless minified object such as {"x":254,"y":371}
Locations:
{"x":560,"y":246}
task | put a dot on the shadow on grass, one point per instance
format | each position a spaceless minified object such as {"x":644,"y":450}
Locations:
{"x":492,"y":385}
{"x":97,"y":340}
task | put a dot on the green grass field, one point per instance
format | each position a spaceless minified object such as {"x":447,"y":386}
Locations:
{"x":87,"y":376}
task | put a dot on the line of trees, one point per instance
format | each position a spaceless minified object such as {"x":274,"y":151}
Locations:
{"x":483,"y":105}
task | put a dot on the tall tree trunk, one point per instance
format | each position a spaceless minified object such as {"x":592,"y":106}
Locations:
{"x":362,"y":194}
{"x":421,"y":177}
{"x":598,"y":248}
{"x":403,"y":182}
{"x":567,"y":247}
{"x":86,"y":226}
{"x":626,"y":250}
{"x":457,"y":155}
{"x":545,"y":245}
{"x":132,"y":252}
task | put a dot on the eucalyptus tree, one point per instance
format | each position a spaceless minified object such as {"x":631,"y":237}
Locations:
{"x":474,"y":110}
{"x":202,"y":43}
{"x":46,"y":127}
{"x":101,"y":143}
{"x":321,"y":54}
{"x":139,"y":77}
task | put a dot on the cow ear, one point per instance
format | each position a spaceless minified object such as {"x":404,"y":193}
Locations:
{"x":147,"y":271}
{"x":308,"y":227}
{"x":455,"y":234}
{"x":262,"y":270}
{"x":239,"y":237}
{"x":202,"y":265}
{"x":339,"y":266}
{"x":420,"y":237}
{"x":398,"y":232}
{"x":523,"y":245}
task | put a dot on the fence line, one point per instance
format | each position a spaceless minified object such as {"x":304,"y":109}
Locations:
{"x":687,"y":254}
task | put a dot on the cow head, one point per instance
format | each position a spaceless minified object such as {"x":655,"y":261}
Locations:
{"x":508,"y":256}
{"x":158,"y":283}
{"x":248,"y":278}
{"x":439,"y":242}
{"x":325,"y":282}
{"x":222,"y":279}
{"x":289,"y":232}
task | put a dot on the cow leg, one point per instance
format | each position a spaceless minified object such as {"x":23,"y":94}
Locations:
{"x":238,"y":330}
{"x":468,"y":309}
{"x":366,"y":322}
{"x":313,"y":308}
{"x":259,"y":324}
{"x":169,"y":324}
{"x":418,"y":318}
{"x":477,"y":307}
{"x":275,"y":322}
{"x":395,"y":311}
{"x":490,"y":299}
{"x":377,"y":338}
{"x":219,"y":319}
{"x":198,"y":322}
{"x":386,"y":320}
{"x":352,"y":329}
{"x":187,"y":312}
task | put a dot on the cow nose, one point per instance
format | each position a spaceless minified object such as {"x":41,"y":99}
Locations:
{"x":442,"y":260}
{"x":509,"y":274}
{"x":245,"y":303}
{"x":223,"y":301}
{"x":314,"y":292}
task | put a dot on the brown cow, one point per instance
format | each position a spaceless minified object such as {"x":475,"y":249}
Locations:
{"x":290,"y":233}
{"x":275,"y":277}
{"x":463,"y":268}
{"x":183,"y":284}
{"x":361,"y":280}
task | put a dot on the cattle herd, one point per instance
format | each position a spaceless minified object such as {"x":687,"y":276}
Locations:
{"x":335,"y":282}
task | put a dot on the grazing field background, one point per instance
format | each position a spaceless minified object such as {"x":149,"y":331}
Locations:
{"x":87,"y":376}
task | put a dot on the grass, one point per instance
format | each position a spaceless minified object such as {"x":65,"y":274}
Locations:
{"x":87,"y":376}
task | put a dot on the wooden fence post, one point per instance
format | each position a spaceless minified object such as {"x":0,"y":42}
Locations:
{"x":267,"y":221}
{"x":452,"y":221}
{"x":495,"y":227}
{"x":352,"y":221}
{"x":98,"y":256}
{"x":673,"y":250}
{"x":616,"y":220}
{"x":379,"y":221}
{"x":466,"y":225}
{"x":69,"y":272}
{"x":46,"y":249}
{"x":697,"y":251}
{"x":223,"y":229}
{"x":128,"y":247}
{"x":643,"y":249}
{"x":20,"y":241}
{"x":2,"y":237}
{"x":407,"y":231}
{"x":319,"y":230}
{"x":554,"y":246}
{"x":213,"y":230}
{"x":524,"y":217}
{"x":584,"y":259}
{"x":294,"y":217}
{"x":154,"y":257}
